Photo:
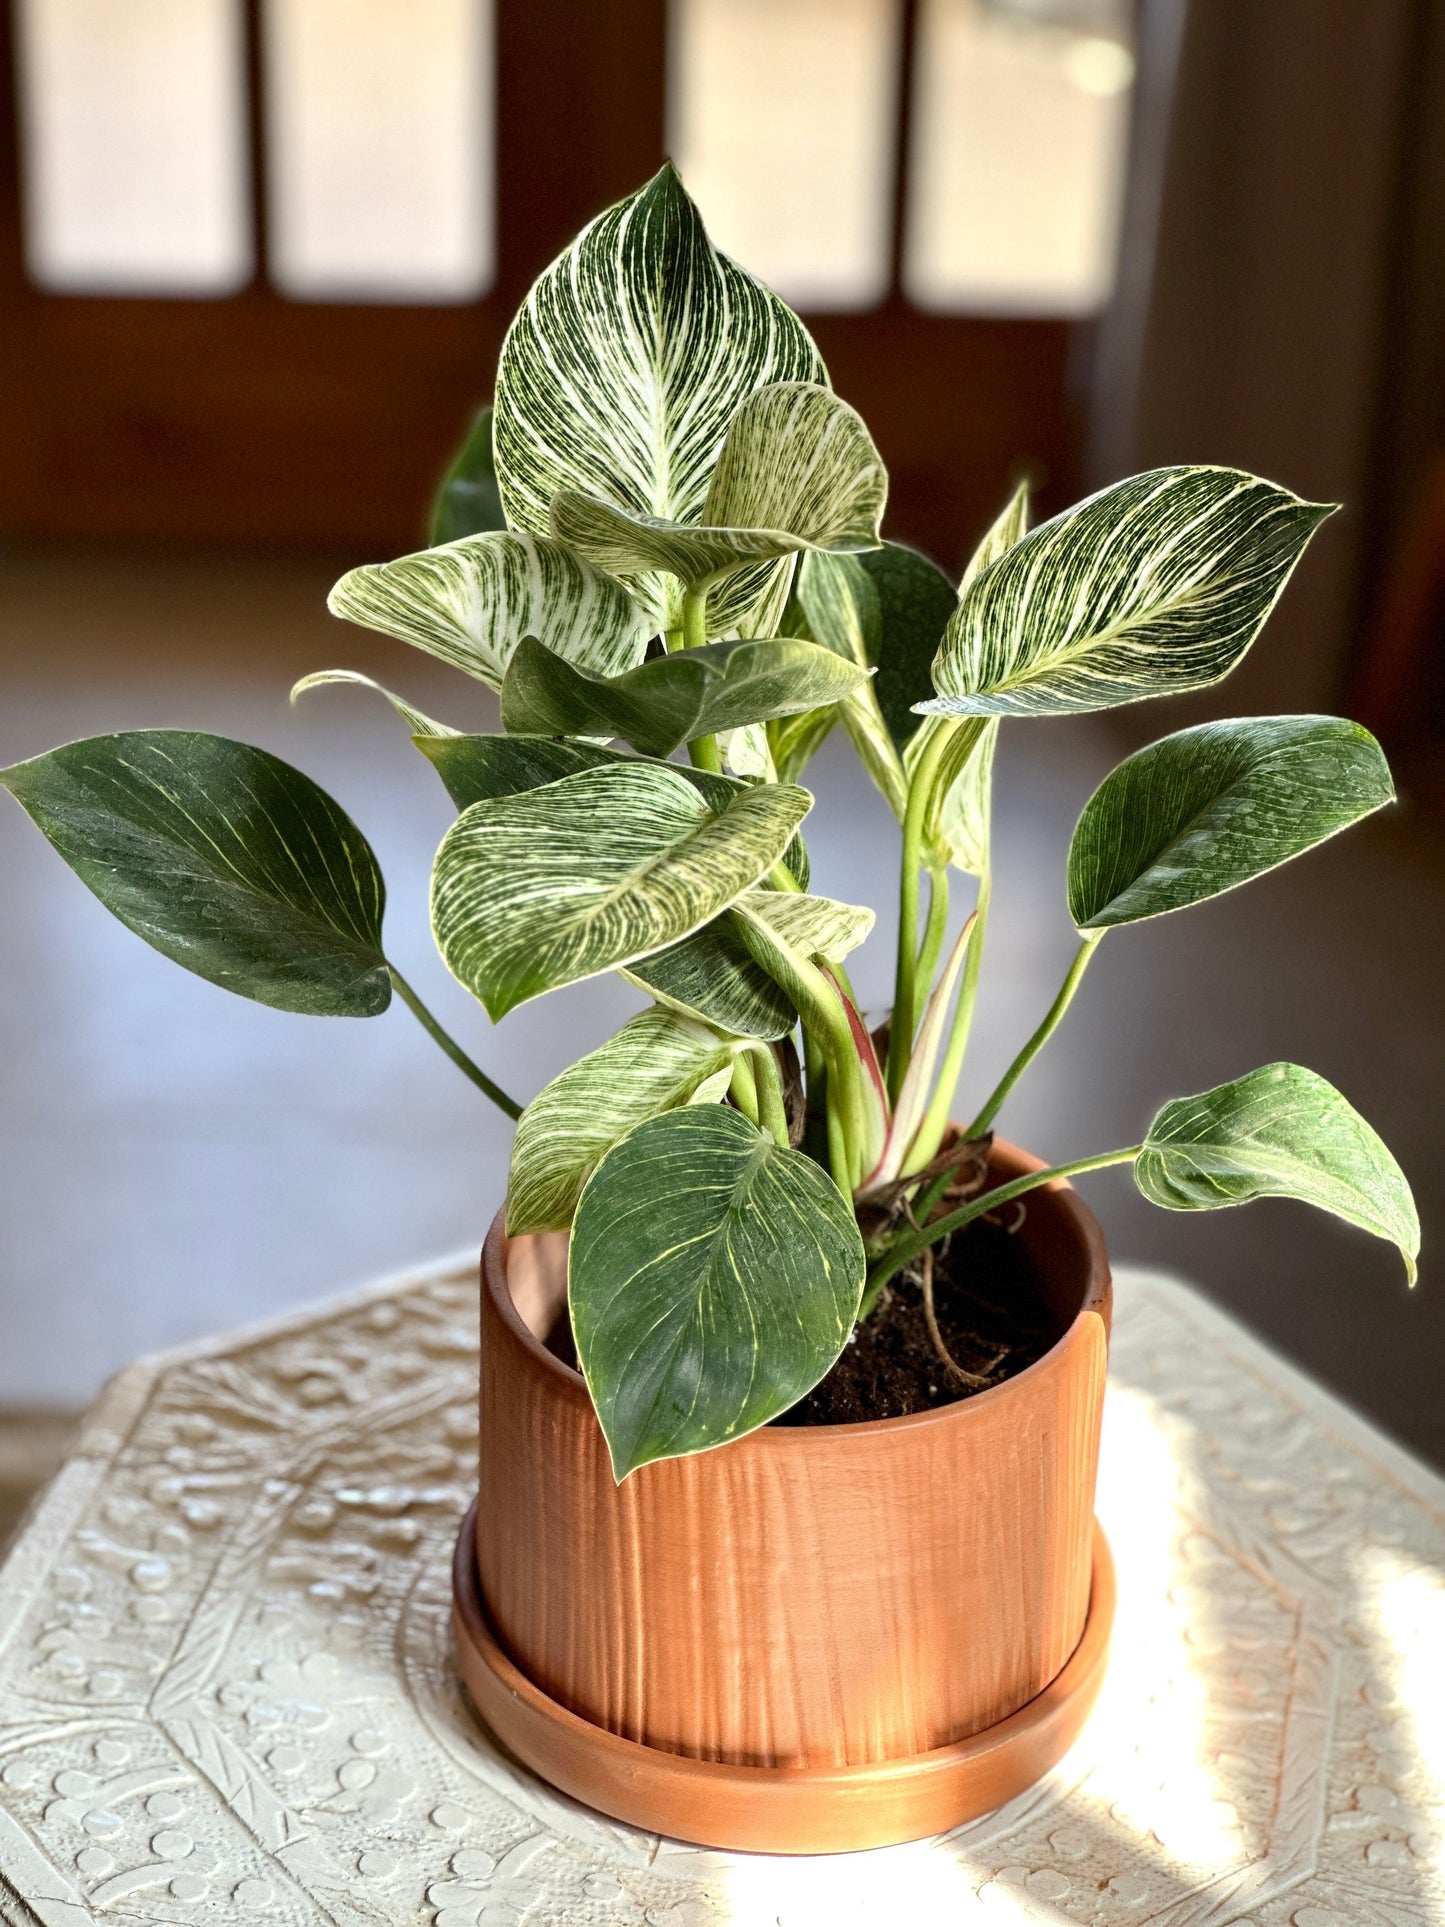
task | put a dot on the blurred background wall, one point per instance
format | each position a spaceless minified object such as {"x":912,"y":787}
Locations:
{"x":256,"y":259}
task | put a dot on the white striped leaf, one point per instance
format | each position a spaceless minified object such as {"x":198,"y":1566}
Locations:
{"x":1009,"y":526}
{"x":714,"y":1276}
{"x":471,"y":602}
{"x":808,"y":925}
{"x":671,"y":699}
{"x":709,"y":975}
{"x":625,"y":366}
{"x":797,"y":471}
{"x":223,"y":858}
{"x":599,"y":870}
{"x":745,"y":752}
{"x":1154,"y":586}
{"x":468,"y":502}
{"x":1208,"y":808}
{"x":1280,"y":1132}
{"x":656,"y":1062}
{"x":793,"y":741}
{"x":416,"y":720}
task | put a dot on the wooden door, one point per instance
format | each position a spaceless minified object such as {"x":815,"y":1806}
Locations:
{"x":261,"y":419}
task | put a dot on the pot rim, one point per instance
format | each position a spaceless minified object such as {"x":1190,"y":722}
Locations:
{"x":1097,"y":1297}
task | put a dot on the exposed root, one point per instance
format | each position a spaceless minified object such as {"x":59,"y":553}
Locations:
{"x":925,"y":1279}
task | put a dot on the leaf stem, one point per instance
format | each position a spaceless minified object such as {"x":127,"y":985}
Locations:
{"x":450,"y":1045}
{"x":772,"y":1112}
{"x":933,"y":931}
{"x":1040,"y":1037}
{"x":906,"y":1001}
{"x":743,"y":1089}
{"x":929,"y":1135}
{"x":702,"y":750}
{"x":908,"y":1247}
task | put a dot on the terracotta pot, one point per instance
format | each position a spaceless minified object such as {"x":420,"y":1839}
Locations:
{"x":813,"y":1639}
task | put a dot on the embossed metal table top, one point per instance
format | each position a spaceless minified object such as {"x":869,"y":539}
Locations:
{"x":226,"y":1693}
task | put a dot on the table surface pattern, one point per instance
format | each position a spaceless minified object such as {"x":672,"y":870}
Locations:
{"x":226,"y":1692}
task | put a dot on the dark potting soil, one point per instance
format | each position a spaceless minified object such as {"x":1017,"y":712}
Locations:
{"x":992,"y":1317}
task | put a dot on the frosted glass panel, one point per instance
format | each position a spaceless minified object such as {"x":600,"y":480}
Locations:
{"x":134,"y":155}
{"x":380,"y":172}
{"x":1016,"y":161}
{"x":781,"y":118}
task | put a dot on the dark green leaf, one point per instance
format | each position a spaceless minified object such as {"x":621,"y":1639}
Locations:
{"x":468,"y":502}
{"x":712,"y":975}
{"x":1208,"y":808}
{"x":714,"y":1277}
{"x":224,"y":859}
{"x":1280,"y":1132}
{"x":671,"y":699}
{"x":915,"y":600}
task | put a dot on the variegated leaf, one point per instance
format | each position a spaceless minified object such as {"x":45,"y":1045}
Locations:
{"x":416,"y":720}
{"x":808,"y":925}
{"x":476,"y":768}
{"x":1010,"y":526}
{"x":1152,"y":587}
{"x":956,"y":821}
{"x":1280,"y":1132}
{"x":798,"y":471}
{"x":714,"y":1276}
{"x":656,"y":1062}
{"x":793,"y":741}
{"x":745,"y":751}
{"x":671,"y":699}
{"x":596,"y":871}
{"x":471,"y":602}
{"x":626,"y":364}
{"x":712,"y":976}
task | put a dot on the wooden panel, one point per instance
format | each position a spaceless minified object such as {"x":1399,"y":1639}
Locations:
{"x":257,"y":419}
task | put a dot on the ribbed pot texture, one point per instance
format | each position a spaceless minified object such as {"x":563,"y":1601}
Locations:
{"x":806,"y":1596}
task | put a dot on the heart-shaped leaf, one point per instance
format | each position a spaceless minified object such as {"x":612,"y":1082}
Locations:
{"x":599,"y":870}
{"x":469,"y":502}
{"x":714,"y":1277}
{"x":797,"y":471}
{"x":224,"y":858}
{"x":416,"y":720}
{"x":471,"y":602}
{"x":1208,"y":808}
{"x":625,"y":366}
{"x":672,"y":699}
{"x":656,"y":1062}
{"x":1154,"y":586}
{"x":1280,"y":1132}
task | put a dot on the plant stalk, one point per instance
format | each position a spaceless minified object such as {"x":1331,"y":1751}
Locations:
{"x":702,"y":750}
{"x":912,"y":1242}
{"x":906,"y":1001}
{"x":1040,"y":1037}
{"x":743,"y":1090}
{"x":772,"y":1111}
{"x":930,"y":1133}
{"x":450,"y":1045}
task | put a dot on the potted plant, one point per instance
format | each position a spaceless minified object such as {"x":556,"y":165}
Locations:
{"x":790,"y":1384}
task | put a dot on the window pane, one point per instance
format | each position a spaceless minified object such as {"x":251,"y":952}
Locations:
{"x":134,"y":153}
{"x":1017,"y":153}
{"x":781,"y":117}
{"x":379,"y":118}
